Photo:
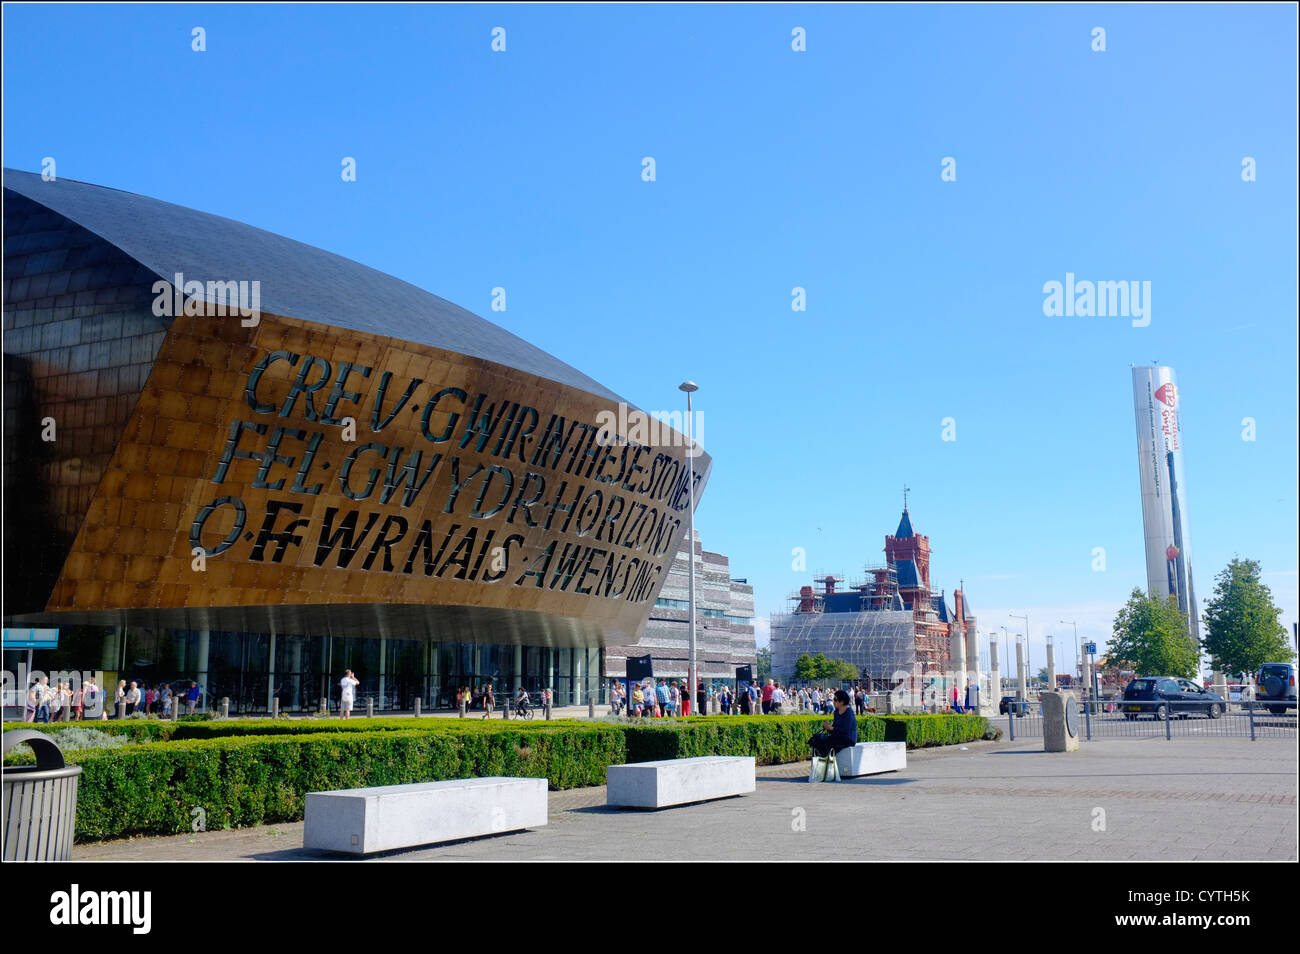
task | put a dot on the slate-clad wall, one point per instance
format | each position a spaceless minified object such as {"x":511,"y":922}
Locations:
{"x":79,"y":339}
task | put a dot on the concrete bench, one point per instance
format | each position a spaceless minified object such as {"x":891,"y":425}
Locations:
{"x":678,"y":781}
{"x":871,"y":758}
{"x":364,"y":820}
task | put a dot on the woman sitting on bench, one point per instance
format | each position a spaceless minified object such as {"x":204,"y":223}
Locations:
{"x":843,"y":728}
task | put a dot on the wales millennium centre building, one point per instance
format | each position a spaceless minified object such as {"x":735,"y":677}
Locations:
{"x":238,"y":459}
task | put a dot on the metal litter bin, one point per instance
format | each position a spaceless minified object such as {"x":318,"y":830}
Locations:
{"x":40,"y":801}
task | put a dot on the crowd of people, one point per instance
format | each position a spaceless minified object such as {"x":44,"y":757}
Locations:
{"x":67,"y":701}
{"x":665,"y":698}
{"x":484,"y":697}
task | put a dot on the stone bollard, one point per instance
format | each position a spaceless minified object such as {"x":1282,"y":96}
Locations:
{"x":505,"y":709}
{"x":275,"y":708}
{"x":461,"y":707}
{"x":889,"y":703}
{"x":176,"y":708}
{"x":121,"y":709}
{"x":417,"y":708}
{"x":225,"y":707}
{"x":591,"y":706}
{"x":370,"y":707}
{"x":1060,"y":722}
{"x":324,"y":705}
{"x":546,"y":709}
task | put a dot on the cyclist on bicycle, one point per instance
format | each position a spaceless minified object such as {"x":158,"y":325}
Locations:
{"x":521,"y":701}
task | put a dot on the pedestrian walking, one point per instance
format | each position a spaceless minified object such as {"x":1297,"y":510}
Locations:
{"x":662,"y":698}
{"x":489,"y":700}
{"x":56,"y":702}
{"x":347,"y":693}
{"x":93,"y":695}
{"x":778,"y":700}
{"x":41,"y":700}
{"x":132,"y":699}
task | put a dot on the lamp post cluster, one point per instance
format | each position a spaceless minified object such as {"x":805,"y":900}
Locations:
{"x":692,"y":681}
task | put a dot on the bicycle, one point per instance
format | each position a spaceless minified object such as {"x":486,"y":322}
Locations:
{"x":524,"y":712}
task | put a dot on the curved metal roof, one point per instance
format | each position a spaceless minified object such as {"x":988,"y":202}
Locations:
{"x":297,"y":280}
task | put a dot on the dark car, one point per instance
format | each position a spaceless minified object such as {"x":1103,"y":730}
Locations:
{"x":1180,"y":698}
{"x":1013,"y":704}
{"x":1275,"y":687}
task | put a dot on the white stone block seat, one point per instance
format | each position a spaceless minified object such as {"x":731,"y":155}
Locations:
{"x":678,"y":781}
{"x":361,"y":821}
{"x":872,"y":758}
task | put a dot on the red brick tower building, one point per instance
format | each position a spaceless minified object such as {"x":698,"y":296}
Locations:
{"x":909,"y":553}
{"x":906,"y":545}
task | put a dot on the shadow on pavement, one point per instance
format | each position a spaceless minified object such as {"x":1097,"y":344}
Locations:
{"x":1020,"y":752}
{"x":314,"y":854}
{"x":845,"y":781}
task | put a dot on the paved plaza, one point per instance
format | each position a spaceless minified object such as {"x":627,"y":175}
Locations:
{"x":1114,"y":800}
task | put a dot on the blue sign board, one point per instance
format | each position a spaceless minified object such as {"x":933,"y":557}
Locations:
{"x":31,"y":638}
{"x":1090,"y":648}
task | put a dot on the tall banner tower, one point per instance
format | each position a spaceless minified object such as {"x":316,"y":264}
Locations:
{"x":1157,"y":403}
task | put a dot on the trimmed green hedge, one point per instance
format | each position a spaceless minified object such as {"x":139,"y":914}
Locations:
{"x":254,"y":780}
{"x":258,"y":771}
{"x":137,"y":730}
{"x":158,"y":730}
{"x":774,"y":740}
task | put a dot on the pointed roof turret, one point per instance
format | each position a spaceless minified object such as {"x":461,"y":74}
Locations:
{"x":904,"y":527}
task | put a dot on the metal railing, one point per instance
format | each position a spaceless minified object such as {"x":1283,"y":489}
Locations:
{"x":1121,"y":718}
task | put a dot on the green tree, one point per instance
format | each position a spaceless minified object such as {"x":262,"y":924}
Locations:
{"x":841,"y":670}
{"x":1242,"y":629}
{"x":803,"y":668}
{"x":820,"y":666}
{"x":1042,"y":675}
{"x":1151,"y":634}
{"x":764,"y":664}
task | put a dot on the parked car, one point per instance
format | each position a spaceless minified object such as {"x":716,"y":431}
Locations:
{"x":1275,"y":687}
{"x":1013,"y":704}
{"x":1156,"y":695}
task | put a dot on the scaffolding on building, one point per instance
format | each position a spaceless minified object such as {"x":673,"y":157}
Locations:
{"x":880,"y":643}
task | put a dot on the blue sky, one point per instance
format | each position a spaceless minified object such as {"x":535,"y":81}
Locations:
{"x":775,"y":169}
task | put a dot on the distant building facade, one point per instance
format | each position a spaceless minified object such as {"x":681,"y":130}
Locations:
{"x":724,"y":623}
{"x":891,"y":622}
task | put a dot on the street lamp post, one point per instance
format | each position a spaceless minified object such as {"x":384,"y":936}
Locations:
{"x":1078,"y":660}
{"x":1004,"y":654}
{"x":1028,"y":657}
{"x":690,"y":387}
